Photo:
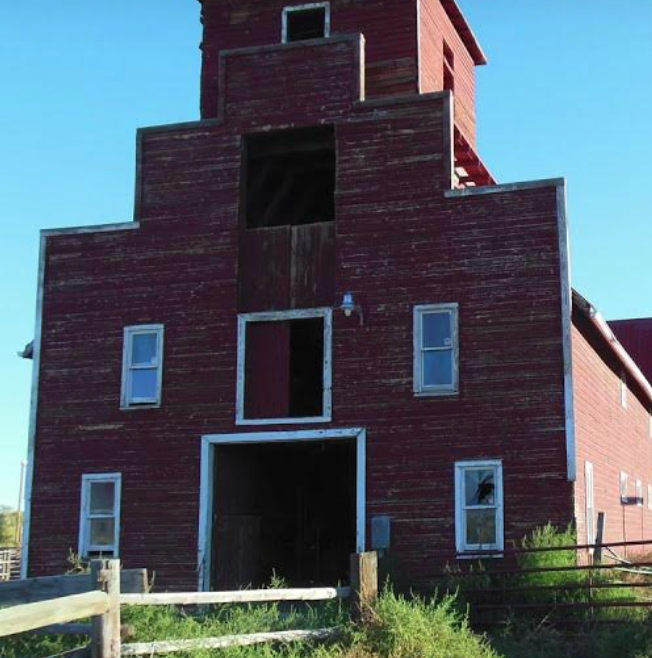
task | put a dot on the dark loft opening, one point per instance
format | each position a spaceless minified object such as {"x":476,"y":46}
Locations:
{"x":284,"y":369}
{"x":284,"y":508}
{"x":289,"y":177}
{"x":305,"y":24}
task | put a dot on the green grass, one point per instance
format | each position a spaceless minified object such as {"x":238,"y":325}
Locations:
{"x":409,"y":627}
{"x":526,"y":633}
{"x":400,"y":628}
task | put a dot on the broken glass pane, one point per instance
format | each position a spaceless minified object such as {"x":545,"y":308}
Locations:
{"x":480,"y":527}
{"x":479,"y":487}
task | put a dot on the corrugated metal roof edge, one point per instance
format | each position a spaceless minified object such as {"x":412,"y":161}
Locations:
{"x":602,"y":326}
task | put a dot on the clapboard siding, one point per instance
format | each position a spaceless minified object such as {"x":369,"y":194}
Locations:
{"x":437,"y":28}
{"x":399,"y":241}
{"x":389,"y":27}
{"x":612,"y":438}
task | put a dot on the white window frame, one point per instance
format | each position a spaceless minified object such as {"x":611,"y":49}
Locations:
{"x":639,"y":493}
{"x":126,"y":401}
{"x":307,"y":7}
{"x":453,"y":309}
{"x":649,"y":496}
{"x":589,"y":496}
{"x":460,"y":508}
{"x":85,"y":546}
{"x":624,"y":487}
{"x":283,"y":316}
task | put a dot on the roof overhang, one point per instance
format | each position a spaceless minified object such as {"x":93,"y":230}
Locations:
{"x":611,"y":342}
{"x":464,"y":30}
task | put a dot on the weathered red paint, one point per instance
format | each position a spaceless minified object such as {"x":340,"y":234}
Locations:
{"x":399,"y":241}
{"x":614,"y":439}
{"x":636,"y":337}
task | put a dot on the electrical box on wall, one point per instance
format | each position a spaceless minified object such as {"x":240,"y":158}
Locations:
{"x":380,"y":533}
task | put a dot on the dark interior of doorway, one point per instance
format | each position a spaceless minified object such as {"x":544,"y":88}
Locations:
{"x":284,"y":509}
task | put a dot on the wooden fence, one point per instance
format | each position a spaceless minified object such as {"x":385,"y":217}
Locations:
{"x":9,"y":564}
{"x":106,"y":594}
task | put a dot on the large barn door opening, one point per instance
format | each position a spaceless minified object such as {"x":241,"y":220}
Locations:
{"x":284,"y":509}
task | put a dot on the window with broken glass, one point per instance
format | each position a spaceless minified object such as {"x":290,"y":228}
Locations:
{"x":479,"y":506}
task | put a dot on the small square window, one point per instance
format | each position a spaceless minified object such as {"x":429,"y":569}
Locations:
{"x":303,"y":22}
{"x":436,"y":349}
{"x":99,"y":526}
{"x":142,"y":367}
{"x":479,"y":506}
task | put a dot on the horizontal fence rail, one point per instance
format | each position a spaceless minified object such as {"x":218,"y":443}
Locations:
{"x":582,"y":592}
{"x":515,"y":570}
{"x":174,"y":646}
{"x":241,"y":596}
{"x":109,"y":589}
{"x":554,"y":549}
{"x":31,"y":616}
{"x":32,"y":590}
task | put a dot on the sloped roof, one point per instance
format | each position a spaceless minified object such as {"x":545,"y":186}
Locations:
{"x":612,"y":343}
{"x":636,"y":337}
{"x":464,"y":30}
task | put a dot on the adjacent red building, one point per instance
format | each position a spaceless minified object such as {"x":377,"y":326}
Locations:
{"x":636,"y":338}
{"x":327,"y":329}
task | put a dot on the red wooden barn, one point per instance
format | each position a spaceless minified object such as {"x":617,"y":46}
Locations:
{"x":327,"y":329}
{"x":636,"y":338}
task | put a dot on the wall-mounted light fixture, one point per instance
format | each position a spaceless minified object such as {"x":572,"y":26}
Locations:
{"x":349,"y":307}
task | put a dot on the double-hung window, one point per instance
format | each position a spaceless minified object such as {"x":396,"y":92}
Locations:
{"x":142,"y":368}
{"x":99,"y":527}
{"x":436,"y":349}
{"x":479,"y":506}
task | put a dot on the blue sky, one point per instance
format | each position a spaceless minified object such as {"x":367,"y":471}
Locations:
{"x":567,"y":93}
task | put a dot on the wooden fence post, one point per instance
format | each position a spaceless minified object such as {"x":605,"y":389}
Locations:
{"x":105,"y":634}
{"x":364,"y":584}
